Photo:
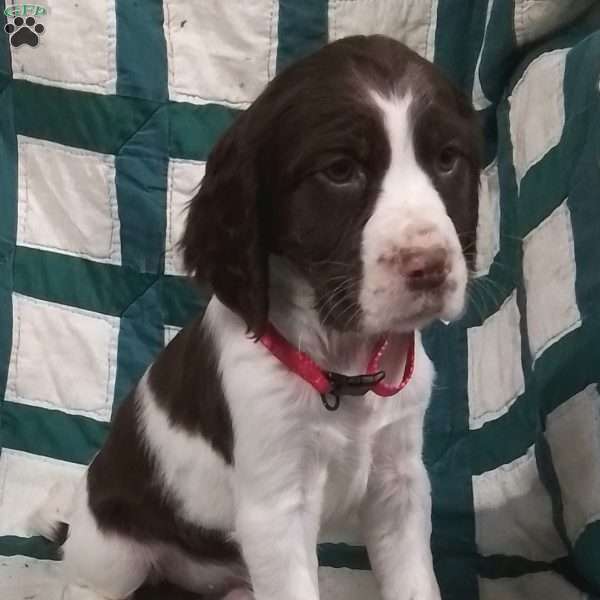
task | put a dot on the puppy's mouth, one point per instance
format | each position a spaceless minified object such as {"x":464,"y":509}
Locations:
{"x":417,"y":320}
{"x":402,"y":311}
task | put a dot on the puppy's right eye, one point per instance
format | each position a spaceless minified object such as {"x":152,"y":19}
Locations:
{"x":342,"y":171}
{"x":447,"y":160}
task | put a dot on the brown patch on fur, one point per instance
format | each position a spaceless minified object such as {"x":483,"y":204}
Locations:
{"x":126,"y":493}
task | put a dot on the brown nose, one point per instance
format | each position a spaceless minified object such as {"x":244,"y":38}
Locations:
{"x":424,"y":268}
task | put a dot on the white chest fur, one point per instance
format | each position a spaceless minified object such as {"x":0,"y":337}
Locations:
{"x":286,"y":444}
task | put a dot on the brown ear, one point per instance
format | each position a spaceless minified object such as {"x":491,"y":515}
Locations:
{"x":222,"y":242}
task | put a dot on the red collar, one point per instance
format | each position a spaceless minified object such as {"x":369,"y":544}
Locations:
{"x":335,"y":384}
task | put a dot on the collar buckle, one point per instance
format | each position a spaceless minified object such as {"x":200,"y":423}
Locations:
{"x":349,"y":385}
{"x":353,"y":385}
{"x":330,"y":401}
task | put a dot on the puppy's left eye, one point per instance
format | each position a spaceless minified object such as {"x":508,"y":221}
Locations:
{"x":341,"y":171}
{"x":447,"y":160}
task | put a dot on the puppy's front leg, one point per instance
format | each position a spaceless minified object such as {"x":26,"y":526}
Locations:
{"x":277,"y":521}
{"x":396,"y":514}
{"x":273,"y":545}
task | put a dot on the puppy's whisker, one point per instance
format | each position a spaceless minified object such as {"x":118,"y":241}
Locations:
{"x":343,"y":297}
{"x":341,"y":292}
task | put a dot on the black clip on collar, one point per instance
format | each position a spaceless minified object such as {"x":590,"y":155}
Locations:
{"x":349,"y":385}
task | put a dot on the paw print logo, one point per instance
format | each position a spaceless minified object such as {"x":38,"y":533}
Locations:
{"x":24,"y":31}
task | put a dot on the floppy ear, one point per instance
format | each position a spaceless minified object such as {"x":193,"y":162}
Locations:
{"x":223,"y":241}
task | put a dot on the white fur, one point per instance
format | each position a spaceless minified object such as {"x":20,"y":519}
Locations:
{"x":299,"y":469}
{"x":110,"y":565}
{"x":409,"y":213}
{"x":55,"y":509}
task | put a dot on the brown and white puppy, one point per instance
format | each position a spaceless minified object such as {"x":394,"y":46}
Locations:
{"x":340,"y":208}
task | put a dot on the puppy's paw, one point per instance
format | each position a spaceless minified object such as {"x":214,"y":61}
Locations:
{"x":239,"y":594}
{"x":423,"y":590}
{"x":76,"y":592}
{"x":413,"y":584}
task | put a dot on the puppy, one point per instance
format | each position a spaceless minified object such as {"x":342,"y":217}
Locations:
{"x":336,"y":219}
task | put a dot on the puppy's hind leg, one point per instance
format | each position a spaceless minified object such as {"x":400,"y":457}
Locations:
{"x":51,"y":518}
{"x":96,"y":565}
{"x":109,"y":564}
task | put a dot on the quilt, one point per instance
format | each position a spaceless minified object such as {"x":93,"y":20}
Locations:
{"x":108,"y":109}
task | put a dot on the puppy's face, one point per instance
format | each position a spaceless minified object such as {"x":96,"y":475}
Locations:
{"x":360,"y":166}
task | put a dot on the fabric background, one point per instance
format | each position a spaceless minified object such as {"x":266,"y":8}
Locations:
{"x":104,"y":130}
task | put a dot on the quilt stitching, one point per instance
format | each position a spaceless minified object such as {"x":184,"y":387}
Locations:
{"x":556,"y":137}
{"x":204,"y":99}
{"x":102,"y":85}
{"x":480,"y":419}
{"x":577,"y":322}
{"x":78,"y":311}
{"x":113,"y":255}
{"x":171,"y":244}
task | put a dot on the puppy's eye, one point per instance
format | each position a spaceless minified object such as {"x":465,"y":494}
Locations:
{"x":448,"y":159}
{"x":341,"y":171}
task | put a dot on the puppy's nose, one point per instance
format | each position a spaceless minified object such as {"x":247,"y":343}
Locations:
{"x":424,"y":268}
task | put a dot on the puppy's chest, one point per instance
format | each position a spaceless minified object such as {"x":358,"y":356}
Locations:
{"x":342,"y":458}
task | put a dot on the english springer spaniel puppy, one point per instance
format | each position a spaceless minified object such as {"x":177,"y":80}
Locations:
{"x":336,"y":219}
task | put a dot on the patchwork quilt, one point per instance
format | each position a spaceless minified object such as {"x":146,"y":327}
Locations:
{"x":108,"y":109}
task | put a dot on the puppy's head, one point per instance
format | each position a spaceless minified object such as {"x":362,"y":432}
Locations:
{"x":359,"y":165}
